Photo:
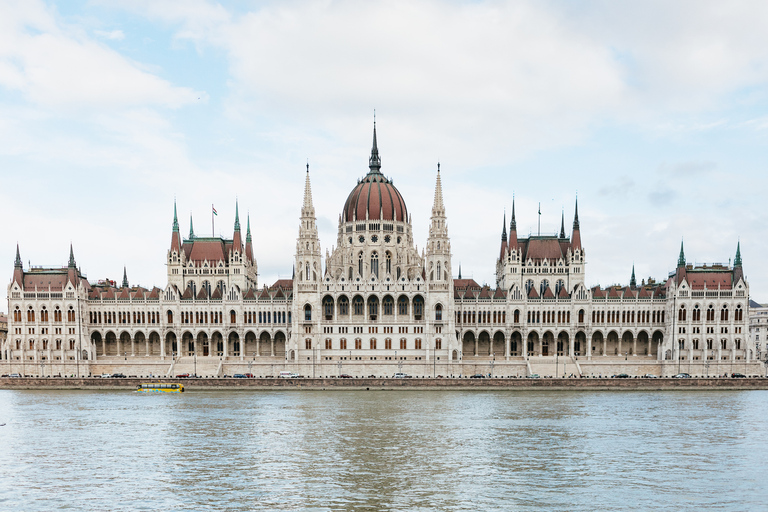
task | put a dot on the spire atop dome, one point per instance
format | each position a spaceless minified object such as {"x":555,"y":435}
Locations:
{"x":175,"y":218}
{"x":737,"y":261}
{"x":374,"y":163}
{"x":125,"y":278}
{"x":17,"y":263}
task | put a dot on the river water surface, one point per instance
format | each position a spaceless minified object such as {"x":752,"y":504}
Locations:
{"x":384,"y":450}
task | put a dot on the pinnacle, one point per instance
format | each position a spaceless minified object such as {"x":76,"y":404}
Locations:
{"x":18,"y":263}
{"x":437,"y":206}
{"x":175,"y":218}
{"x":374,"y":163}
{"x":308,"y":208}
{"x":191,"y":228}
{"x":248,"y":230}
{"x":71,"y":257}
{"x":237,"y":217}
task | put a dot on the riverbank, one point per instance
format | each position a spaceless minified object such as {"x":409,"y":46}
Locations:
{"x":659,"y":384}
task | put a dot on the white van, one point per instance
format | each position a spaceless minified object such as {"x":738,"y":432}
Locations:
{"x":286,"y":375}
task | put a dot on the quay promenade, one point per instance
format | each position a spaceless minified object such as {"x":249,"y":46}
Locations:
{"x":552,"y":384}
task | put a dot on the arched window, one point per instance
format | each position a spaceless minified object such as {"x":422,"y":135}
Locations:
{"x":711,"y":313}
{"x":543,"y":286}
{"x":170,"y":316}
{"x":528,"y":286}
{"x":389,"y":262}
{"x":438,"y":312}
{"x":193,"y":286}
{"x":681,"y":314}
{"x":387,"y":305}
{"x":307,"y":313}
{"x":358,"y":305}
{"x":581,"y":316}
{"x":738,"y":315}
{"x":418,"y":307}
{"x":232,"y":317}
{"x":360,"y":264}
{"x":517,"y":316}
{"x":373,"y":307}
{"x":724,"y":313}
{"x":222,"y":287}
{"x":207,"y":286}
{"x":375,"y":264}
{"x":343,"y":305}
{"x":402,"y":305}
{"x":559,"y":285}
{"x":439,"y":272}
{"x":696,"y":315}
{"x":328,"y":308}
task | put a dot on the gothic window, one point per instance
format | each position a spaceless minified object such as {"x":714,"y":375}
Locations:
{"x":418,"y":307}
{"x":528,"y":286}
{"x":360,"y":264}
{"x":306,"y":272}
{"x":398,"y":272}
{"x":738,"y":314}
{"x":343,"y":343}
{"x":581,"y":316}
{"x":328,"y":308}
{"x":681,"y":314}
{"x":724,"y":314}
{"x":438,"y":313}
{"x":388,"y":343}
{"x":517,"y":316}
{"x":543,"y":287}
{"x":438,"y":268}
{"x":207,"y":287}
{"x":350,"y":274}
{"x":358,"y":304}
{"x":373,"y":344}
{"x":696,"y":313}
{"x":559,"y":285}
{"x":373,"y":307}
{"x":387,"y":305}
{"x":389,"y":262}
{"x":193,"y":286}
{"x":438,"y":344}
{"x":375,"y":264}
{"x":222,"y":287}
{"x":402,"y":305}
{"x":307,"y":313}
{"x":711,"y":313}
{"x":343,"y":305}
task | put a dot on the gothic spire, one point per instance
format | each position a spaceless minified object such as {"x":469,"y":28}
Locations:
{"x":681,"y":258}
{"x":72,"y":263}
{"x":307,"y":209}
{"x":504,"y":228}
{"x":737,"y":261}
{"x":513,"y":223}
{"x":175,"y":218}
{"x":125,"y":278}
{"x":576,"y":215}
{"x":459,"y":270}
{"x":374,"y":163}
{"x":437,"y":206}
{"x":248,"y":229}
{"x":562,"y":225}
{"x":237,"y":217}
{"x":632,"y":280}
{"x":191,"y":228}
{"x":17,"y":263}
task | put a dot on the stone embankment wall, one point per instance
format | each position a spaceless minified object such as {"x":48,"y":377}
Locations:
{"x":130,"y":384}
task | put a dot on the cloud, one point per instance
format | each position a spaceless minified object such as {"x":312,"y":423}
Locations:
{"x":112,"y":35}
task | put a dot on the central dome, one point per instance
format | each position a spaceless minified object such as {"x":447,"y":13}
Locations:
{"x":375,"y":197}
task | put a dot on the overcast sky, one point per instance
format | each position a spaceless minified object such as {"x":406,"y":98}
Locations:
{"x":654,"y":113}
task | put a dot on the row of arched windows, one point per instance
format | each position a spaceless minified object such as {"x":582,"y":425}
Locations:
{"x":682,"y":313}
{"x":44,"y":316}
{"x":387,"y":306}
{"x":122,"y":317}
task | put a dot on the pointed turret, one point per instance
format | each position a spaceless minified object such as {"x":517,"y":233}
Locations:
{"x":438,"y":247}
{"x":307,"y":208}
{"x":438,"y":208}
{"x":374,"y":163}
{"x":18,"y":270}
{"x":191,"y":228}
{"x":125,"y":278}
{"x":72,"y":267}
{"x":237,"y":241}
{"x":308,"y":255}
{"x":175,"y":236}
{"x":632,"y":280}
{"x":562,"y":226}
{"x":576,"y":236}
{"x":504,"y":246}
{"x":512,"y":229}
{"x":459,"y":270}
{"x":248,"y":245}
{"x":738,"y":271}
{"x":681,"y":258}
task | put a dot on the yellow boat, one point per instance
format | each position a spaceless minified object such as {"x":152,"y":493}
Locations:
{"x":159,"y":387}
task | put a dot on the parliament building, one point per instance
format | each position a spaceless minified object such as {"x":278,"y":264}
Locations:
{"x":374,"y":305}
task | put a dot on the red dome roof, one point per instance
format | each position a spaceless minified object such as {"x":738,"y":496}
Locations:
{"x":376,"y":196}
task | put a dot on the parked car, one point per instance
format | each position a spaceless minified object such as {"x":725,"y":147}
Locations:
{"x":682,"y":376}
{"x":248,"y":375}
{"x":650,"y":376}
{"x":182,"y":376}
{"x":238,"y":376}
{"x":118,"y":376}
{"x":534,"y":376}
{"x":106,"y":375}
{"x":400,"y":375}
{"x":286,"y":374}
{"x":621,"y":376}
{"x":738,"y":376}
{"x":345,"y":376}
{"x":477,"y":376}
{"x":15,"y":375}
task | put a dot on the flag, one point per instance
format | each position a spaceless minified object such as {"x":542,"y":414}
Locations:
{"x":214,"y":210}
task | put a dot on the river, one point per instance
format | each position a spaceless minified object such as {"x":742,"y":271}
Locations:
{"x":406,"y":450}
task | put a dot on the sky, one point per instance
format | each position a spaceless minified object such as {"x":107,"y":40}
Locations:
{"x":653,"y":113}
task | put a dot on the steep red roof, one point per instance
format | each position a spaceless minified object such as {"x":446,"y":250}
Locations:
{"x":216,"y":293}
{"x":210,"y":250}
{"x":533,"y":294}
{"x":464,"y":283}
{"x":56,"y":280}
{"x":155,"y":293}
{"x":485,"y":293}
{"x":500,"y":293}
{"x":539,"y":249}
{"x":598,"y":292}
{"x":249,"y":295}
{"x":286,"y":284}
{"x":548,"y":293}
{"x":563,"y":293}
{"x":187,"y":293}
{"x":697,"y":280}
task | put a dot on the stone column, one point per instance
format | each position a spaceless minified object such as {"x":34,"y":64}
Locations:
{"x":163,"y":341}
{"x":226,"y":347}
{"x":524,"y":348}
{"x":476,"y":344}
{"x":634,"y":346}
{"x":133,"y":346}
{"x":272,"y":346}
{"x":507,"y":342}
{"x":571,"y":342}
{"x":258,"y":347}
{"x":117,"y":342}
{"x":605,"y":346}
{"x":619,"y":347}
